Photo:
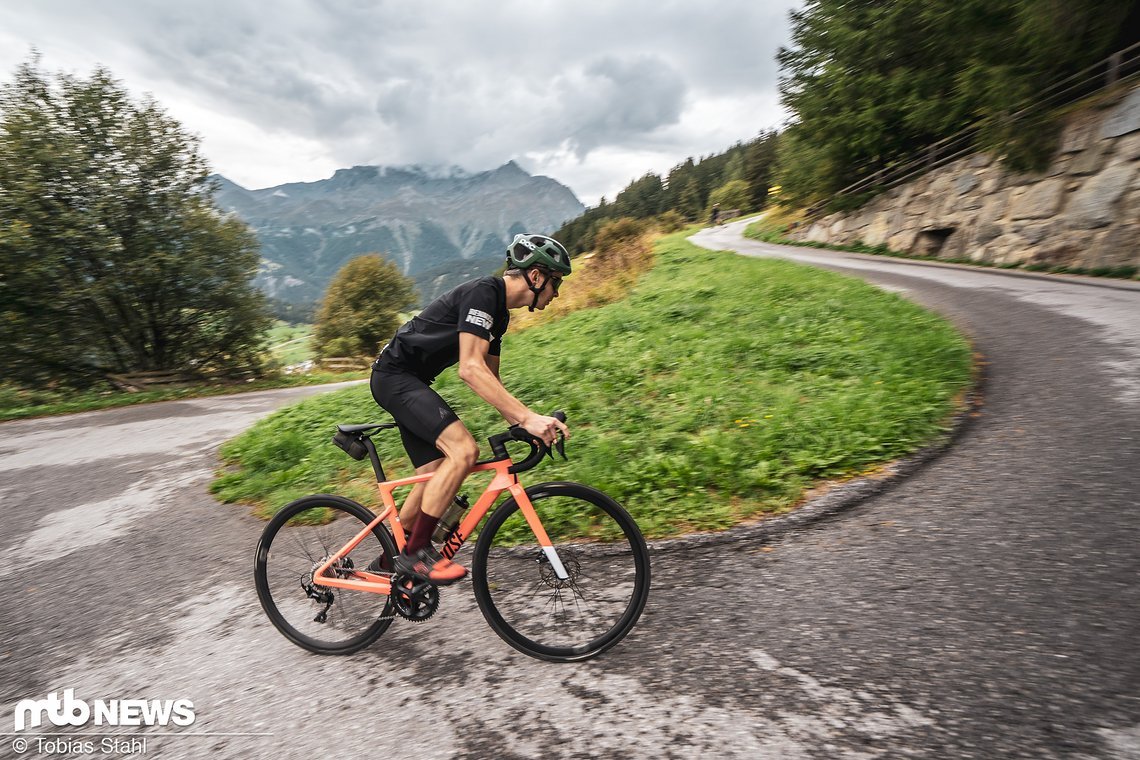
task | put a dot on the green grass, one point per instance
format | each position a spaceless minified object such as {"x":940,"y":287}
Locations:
{"x":774,"y":232}
{"x":721,"y":389}
{"x":290,"y":344}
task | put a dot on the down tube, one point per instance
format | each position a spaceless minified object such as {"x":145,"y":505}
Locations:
{"x":519,"y":493}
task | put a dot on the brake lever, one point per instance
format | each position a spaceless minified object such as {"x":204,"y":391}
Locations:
{"x":520,"y":434}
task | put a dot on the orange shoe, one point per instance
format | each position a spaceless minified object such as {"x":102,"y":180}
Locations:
{"x":429,"y":565}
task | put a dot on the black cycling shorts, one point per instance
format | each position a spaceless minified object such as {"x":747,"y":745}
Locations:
{"x":420,"y":413}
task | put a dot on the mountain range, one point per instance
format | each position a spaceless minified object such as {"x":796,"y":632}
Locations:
{"x":440,"y":226}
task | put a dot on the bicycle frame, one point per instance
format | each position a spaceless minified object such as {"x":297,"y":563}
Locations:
{"x":363,"y":580}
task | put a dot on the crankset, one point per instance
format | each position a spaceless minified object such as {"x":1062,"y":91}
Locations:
{"x":414,"y":600}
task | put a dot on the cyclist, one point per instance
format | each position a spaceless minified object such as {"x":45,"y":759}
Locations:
{"x":463,"y":326}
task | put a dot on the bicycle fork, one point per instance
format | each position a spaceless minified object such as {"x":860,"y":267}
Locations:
{"x":519,"y":494}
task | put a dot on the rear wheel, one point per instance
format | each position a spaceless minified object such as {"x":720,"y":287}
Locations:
{"x":295,"y":543}
{"x":562,"y":619}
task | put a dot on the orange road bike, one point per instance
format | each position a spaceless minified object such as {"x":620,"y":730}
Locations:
{"x":560,"y":570}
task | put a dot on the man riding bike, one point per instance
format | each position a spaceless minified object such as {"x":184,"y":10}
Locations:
{"x":463,"y":326}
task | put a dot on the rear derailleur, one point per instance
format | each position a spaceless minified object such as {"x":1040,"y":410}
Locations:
{"x":323,"y":594}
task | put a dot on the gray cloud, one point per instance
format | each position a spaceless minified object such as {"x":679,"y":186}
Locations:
{"x":620,"y":99}
{"x":465,"y":82}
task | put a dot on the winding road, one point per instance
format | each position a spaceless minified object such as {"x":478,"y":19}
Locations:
{"x":988,"y":606}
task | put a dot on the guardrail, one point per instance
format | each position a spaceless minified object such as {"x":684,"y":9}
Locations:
{"x":1121,"y":66}
{"x":136,"y":382}
{"x":345,"y":363}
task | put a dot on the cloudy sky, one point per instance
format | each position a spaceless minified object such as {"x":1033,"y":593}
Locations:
{"x":591,"y":92}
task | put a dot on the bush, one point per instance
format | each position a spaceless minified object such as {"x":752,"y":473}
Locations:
{"x":670,"y":221}
{"x":731,"y":195}
{"x":361,"y":307}
{"x":113,"y":257}
{"x":619,"y":232}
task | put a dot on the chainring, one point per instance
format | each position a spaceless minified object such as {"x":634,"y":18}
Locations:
{"x":418,"y":608}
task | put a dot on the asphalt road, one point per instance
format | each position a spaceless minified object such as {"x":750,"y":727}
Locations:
{"x":987,"y":606}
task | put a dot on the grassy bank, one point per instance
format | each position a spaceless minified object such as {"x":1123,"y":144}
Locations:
{"x":720,"y":389}
{"x":773,"y":228}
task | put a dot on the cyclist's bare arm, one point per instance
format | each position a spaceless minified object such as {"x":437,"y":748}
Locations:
{"x":476,"y":371}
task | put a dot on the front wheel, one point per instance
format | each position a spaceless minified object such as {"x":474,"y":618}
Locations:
{"x":296,"y":542}
{"x":562,"y":619}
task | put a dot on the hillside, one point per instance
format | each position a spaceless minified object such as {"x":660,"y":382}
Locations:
{"x":439,"y":226}
{"x":785,"y":375}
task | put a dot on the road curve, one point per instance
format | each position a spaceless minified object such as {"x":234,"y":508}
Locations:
{"x":989,"y":606}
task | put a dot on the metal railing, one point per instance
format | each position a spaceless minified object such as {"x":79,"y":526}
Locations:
{"x":1119,"y":67}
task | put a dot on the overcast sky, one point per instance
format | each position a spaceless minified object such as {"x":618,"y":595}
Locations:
{"x":590,"y":92}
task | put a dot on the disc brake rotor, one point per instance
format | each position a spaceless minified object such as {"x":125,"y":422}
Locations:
{"x":569,"y":561}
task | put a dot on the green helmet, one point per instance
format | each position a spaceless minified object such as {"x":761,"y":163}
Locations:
{"x":527,"y":251}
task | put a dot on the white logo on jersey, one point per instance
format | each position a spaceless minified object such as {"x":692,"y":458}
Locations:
{"x":481,"y":318}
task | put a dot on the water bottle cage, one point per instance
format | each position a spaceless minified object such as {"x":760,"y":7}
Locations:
{"x":450,"y":518}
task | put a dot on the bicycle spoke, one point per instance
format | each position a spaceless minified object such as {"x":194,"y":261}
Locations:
{"x":296,"y":555}
{"x":321,"y":537}
{"x":304,"y":549}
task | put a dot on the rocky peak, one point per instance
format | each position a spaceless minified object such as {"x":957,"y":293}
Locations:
{"x":436,"y":223}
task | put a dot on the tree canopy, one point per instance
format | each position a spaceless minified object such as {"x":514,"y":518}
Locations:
{"x":870,"y":82}
{"x":113,"y":257}
{"x":686,"y":190}
{"x":360,"y":309}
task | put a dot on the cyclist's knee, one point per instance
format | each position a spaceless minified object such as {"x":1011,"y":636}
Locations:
{"x":458,"y":445}
{"x":468,"y":453}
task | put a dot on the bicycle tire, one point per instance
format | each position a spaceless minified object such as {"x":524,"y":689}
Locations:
{"x":301,"y":545}
{"x":603,"y":551}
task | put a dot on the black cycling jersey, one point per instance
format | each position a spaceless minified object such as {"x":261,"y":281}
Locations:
{"x":429,"y":343}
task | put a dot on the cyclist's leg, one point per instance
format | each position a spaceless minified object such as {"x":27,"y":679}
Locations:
{"x":419,"y":559}
{"x":429,"y":427}
{"x":411,"y":508}
{"x":459,"y":454}
{"x":421,"y":415}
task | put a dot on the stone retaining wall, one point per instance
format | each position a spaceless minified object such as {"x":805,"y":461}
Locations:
{"x":1083,"y":211}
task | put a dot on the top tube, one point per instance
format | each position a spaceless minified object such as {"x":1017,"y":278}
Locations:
{"x":351,"y":438}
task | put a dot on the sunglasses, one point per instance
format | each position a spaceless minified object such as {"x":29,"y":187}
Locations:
{"x":555,"y":282}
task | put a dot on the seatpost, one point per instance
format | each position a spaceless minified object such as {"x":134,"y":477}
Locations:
{"x":372,"y":455}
